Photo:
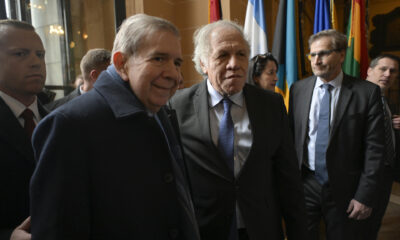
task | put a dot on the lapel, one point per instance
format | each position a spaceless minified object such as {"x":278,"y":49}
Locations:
{"x":343,"y":102}
{"x":304,"y":103}
{"x":201,"y":107}
{"x":166,"y":117}
{"x":13,"y":133}
{"x":257,"y":133}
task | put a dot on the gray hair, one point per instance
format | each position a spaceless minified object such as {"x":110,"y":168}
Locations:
{"x":135,"y":29}
{"x":201,"y":40}
{"x":338,"y":40}
{"x":94,"y":59}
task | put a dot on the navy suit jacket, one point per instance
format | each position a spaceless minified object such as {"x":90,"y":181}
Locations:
{"x":16,"y":168}
{"x":268,"y":186}
{"x":104,"y":170}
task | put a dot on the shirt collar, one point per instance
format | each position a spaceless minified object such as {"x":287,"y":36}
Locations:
{"x":17,"y":107}
{"x":81,"y":91}
{"x":215,"y":97}
{"x":336,"y":82}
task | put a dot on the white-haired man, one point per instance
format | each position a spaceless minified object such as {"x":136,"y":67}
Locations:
{"x":240,"y":156}
{"x":124,"y":176}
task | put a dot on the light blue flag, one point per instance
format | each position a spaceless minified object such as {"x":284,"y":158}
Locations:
{"x":255,"y":27}
{"x":284,"y":47}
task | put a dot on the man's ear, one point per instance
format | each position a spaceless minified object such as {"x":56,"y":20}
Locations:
{"x":203,"y":67}
{"x":119,"y":61}
{"x":369,"y":71}
{"x":94,"y":74}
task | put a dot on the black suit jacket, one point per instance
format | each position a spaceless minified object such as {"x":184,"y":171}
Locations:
{"x":268,"y":186}
{"x":116,"y":180}
{"x":355,"y":151}
{"x":16,"y":168}
{"x":55,"y":104}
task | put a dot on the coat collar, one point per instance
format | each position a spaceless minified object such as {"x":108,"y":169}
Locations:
{"x":118,"y":94}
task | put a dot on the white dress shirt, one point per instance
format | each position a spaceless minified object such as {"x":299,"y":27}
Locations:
{"x":243,"y":137}
{"x":17,"y":108}
{"x":314,"y":113}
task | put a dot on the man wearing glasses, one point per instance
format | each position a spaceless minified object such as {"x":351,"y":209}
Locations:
{"x":337,"y":122}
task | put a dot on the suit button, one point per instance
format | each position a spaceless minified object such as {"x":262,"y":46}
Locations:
{"x":174,"y":233}
{"x":168,"y":178}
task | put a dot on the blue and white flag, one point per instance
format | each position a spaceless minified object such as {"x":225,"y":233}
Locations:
{"x":255,"y":27}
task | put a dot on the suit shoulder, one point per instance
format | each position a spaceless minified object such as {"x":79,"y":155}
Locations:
{"x":182,"y":97}
{"x":262,"y":93}
{"x":362,"y":85}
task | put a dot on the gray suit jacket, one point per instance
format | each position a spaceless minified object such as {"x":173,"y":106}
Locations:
{"x":268,"y":186}
{"x":355,"y":150}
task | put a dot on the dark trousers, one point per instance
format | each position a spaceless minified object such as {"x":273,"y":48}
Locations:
{"x":375,"y":220}
{"x":320,"y":205}
{"x":242,"y":233}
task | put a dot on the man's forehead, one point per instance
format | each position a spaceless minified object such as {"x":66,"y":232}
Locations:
{"x":15,"y":36}
{"x":388,"y":62}
{"x":227,"y":38}
{"x":321,"y":42}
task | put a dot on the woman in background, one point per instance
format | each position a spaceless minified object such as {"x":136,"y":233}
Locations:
{"x":263,"y":69}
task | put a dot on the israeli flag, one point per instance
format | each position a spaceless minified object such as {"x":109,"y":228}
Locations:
{"x":255,"y":28}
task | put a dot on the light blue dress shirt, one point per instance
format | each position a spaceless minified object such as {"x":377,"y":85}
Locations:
{"x":314,"y":113}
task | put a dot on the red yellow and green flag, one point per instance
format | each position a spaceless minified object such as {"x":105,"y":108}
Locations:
{"x":334,"y":22}
{"x":356,"y":61}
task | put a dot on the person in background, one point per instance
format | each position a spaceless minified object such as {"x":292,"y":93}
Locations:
{"x":337,"y":125}
{"x":384,"y":71}
{"x":123,"y":176}
{"x":78,"y":81}
{"x":240,"y":156}
{"x":22,"y":77}
{"x":263,"y":69}
{"x":92,"y":64}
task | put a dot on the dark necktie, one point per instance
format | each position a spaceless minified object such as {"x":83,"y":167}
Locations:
{"x":225,"y":138}
{"x":389,"y":146}
{"x":321,"y":143}
{"x":29,"y":124}
{"x":225,"y":146}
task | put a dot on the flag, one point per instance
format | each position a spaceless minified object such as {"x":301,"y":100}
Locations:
{"x":321,"y":16}
{"x":214,"y":11}
{"x":284,"y":47}
{"x":334,"y":22}
{"x":356,"y":61}
{"x":255,"y":28}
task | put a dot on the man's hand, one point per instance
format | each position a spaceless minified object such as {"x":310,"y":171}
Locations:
{"x":358,"y":211}
{"x":396,"y":122}
{"x":22,"y":231}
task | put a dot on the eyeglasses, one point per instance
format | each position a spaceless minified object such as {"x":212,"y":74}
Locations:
{"x":321,"y":54}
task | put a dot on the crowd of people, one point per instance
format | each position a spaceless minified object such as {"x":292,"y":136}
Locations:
{"x":127,"y":156}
